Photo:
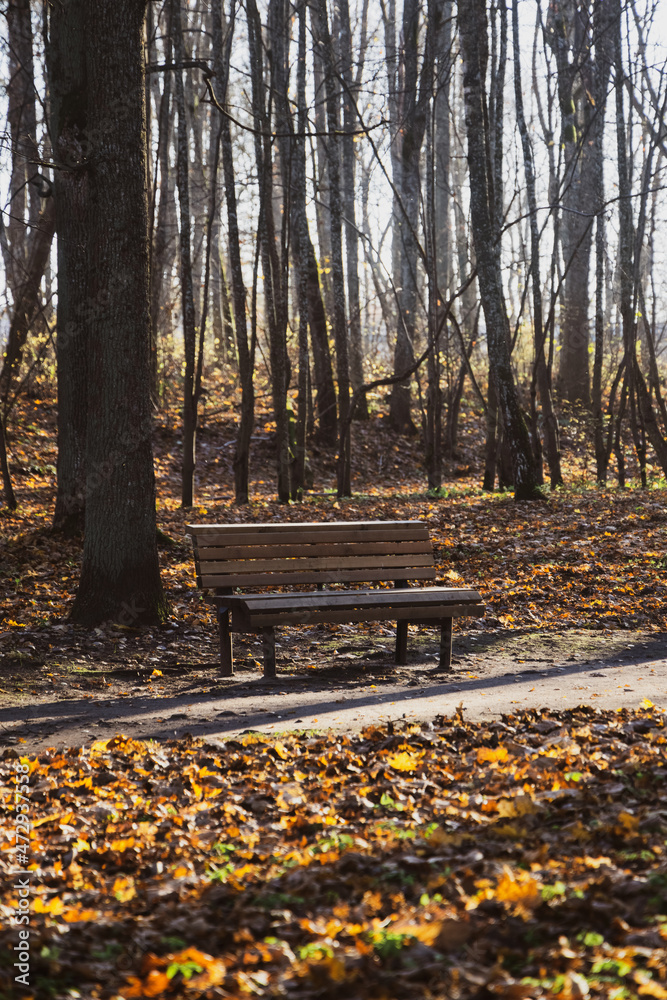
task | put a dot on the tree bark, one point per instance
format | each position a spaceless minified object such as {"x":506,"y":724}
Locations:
{"x":120,"y":578}
{"x":603,"y":59}
{"x":246,"y":350}
{"x":274,"y":285}
{"x":27,"y":298}
{"x":24,"y":198}
{"x":189,"y":430}
{"x":7,"y":488}
{"x":541,"y":372}
{"x":68,"y":92}
{"x":165,"y":223}
{"x":349,"y":212}
{"x":417,"y":91}
{"x":323,"y":40}
{"x":474,"y":50}
{"x":567,"y":34}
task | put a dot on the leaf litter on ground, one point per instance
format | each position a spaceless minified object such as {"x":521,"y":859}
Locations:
{"x":521,"y":858}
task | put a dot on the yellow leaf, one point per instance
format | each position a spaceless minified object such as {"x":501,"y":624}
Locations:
{"x":491,"y":756}
{"x":123,"y":889}
{"x":122,"y":845}
{"x":403,"y":761}
{"x":74,"y":914}
{"x":521,"y":890}
{"x":647,"y":703}
{"x":652,"y":989}
{"x":51,"y":818}
{"x":54,"y":906}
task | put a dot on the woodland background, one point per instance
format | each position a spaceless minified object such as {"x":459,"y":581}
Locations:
{"x":304,"y":218}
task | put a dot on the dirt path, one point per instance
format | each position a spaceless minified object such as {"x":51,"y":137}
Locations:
{"x":73,"y":702}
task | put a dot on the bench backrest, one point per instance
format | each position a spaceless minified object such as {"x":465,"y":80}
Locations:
{"x":272,"y":555}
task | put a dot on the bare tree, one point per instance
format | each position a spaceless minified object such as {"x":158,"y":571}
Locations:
{"x":541,"y":378}
{"x":474,"y":49}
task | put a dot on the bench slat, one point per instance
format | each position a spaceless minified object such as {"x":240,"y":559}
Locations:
{"x":303,"y":534}
{"x":302,"y":549}
{"x":319,"y":527}
{"x":341,"y":599}
{"x":342,"y":563}
{"x":277,"y":579}
{"x":245,"y":623}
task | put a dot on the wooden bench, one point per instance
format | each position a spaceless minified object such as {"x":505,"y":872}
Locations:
{"x":231,"y":556}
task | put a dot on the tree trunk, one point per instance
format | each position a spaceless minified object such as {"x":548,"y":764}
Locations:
{"x":7,"y":488}
{"x":162,"y":250}
{"x":567,"y":34}
{"x":349,"y":213}
{"x":474,"y":50}
{"x":417,"y":91}
{"x":323,"y":37}
{"x":27,"y":298}
{"x":120,"y":577}
{"x":541,"y":372}
{"x":274,"y":290}
{"x":325,"y":390}
{"x":189,"y":430}
{"x":246,"y":351}
{"x":321,"y":177}
{"x":67,"y":76}
{"x":24,"y":200}
{"x":603,"y":58}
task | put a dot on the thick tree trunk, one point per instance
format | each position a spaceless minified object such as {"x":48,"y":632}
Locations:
{"x":120,"y":577}
{"x":474,"y":50}
{"x":68,"y":94}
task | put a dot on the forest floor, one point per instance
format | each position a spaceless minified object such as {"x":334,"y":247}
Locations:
{"x":575,"y":591}
{"x":499,"y":832}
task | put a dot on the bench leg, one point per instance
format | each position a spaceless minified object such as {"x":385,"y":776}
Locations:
{"x":226,"y":654}
{"x":269,"y":643}
{"x":402,"y":642}
{"x":446,"y":644}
